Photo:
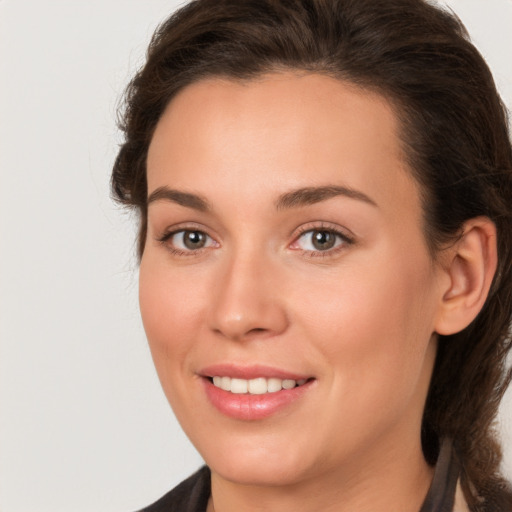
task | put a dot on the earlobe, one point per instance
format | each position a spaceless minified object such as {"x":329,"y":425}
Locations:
{"x":470,"y":265}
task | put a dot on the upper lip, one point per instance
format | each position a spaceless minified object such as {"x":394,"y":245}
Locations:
{"x":249,"y":372}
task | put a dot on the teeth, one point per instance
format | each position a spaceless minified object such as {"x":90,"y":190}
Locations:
{"x":288,"y":384}
{"x":258,"y":386}
{"x":225,"y":383}
{"x":238,"y":386}
{"x":274,"y":385}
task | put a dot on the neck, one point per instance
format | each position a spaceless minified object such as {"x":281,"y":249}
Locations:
{"x":382,"y":479}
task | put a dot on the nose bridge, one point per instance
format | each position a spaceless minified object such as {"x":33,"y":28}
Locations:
{"x":247,"y":302}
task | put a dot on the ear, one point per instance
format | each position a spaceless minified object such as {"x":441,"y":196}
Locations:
{"x":470,"y":266}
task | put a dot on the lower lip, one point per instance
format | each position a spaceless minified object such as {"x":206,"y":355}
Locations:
{"x":253,"y":407}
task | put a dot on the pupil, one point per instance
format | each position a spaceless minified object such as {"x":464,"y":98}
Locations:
{"x":194,"y":239}
{"x":323,"y":240}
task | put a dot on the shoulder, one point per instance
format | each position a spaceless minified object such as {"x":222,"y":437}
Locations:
{"x":191,"y":495}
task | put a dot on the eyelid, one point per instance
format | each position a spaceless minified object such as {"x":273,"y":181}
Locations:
{"x":346,"y":236}
{"x":324,"y":226}
{"x":171,"y":231}
{"x":176,"y":228}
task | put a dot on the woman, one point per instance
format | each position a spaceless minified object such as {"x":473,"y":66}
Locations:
{"x":324,"y":190}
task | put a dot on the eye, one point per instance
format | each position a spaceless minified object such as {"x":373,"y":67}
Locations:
{"x":320,"y":240}
{"x":187,"y":240}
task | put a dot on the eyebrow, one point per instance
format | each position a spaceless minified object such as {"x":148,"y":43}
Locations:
{"x":187,"y":199}
{"x":311,"y":195}
{"x":296,"y":198}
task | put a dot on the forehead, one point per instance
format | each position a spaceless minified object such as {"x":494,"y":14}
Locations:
{"x":294,"y":129}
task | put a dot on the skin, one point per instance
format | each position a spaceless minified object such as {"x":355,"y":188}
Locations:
{"x":359,"y":318}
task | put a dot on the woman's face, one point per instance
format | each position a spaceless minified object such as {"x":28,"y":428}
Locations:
{"x":285,"y":256}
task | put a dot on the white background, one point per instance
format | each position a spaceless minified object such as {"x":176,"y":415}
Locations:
{"x":84,"y":425}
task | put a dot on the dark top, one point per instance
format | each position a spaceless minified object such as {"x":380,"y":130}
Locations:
{"x":190,"y":496}
{"x":193,"y":493}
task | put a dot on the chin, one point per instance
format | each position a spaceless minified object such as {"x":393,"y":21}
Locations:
{"x":266,"y":473}
{"x":274,"y":462}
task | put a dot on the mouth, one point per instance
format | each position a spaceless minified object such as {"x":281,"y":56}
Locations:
{"x":256,"y":392}
{"x":256,"y":386}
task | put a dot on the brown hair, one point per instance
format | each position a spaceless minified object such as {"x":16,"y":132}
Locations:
{"x":454,"y":131}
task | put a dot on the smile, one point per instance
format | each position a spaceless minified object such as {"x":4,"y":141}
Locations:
{"x":256,"y":392}
{"x":257,"y":386}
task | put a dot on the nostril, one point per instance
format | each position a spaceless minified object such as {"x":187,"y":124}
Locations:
{"x":245,"y":318}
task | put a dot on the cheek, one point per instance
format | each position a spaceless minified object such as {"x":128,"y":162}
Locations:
{"x":171,"y":306}
{"x":373,"y":324}
{"x":390,"y":298}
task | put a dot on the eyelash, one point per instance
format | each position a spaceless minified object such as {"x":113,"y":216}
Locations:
{"x":343,"y":237}
{"x":166,"y":237}
{"x":345,"y":240}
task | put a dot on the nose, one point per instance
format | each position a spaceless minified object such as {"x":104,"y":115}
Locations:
{"x":247,"y":302}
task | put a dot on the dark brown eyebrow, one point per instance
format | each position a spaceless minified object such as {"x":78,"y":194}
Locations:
{"x":187,"y":199}
{"x":311,"y":195}
{"x":294,"y":199}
